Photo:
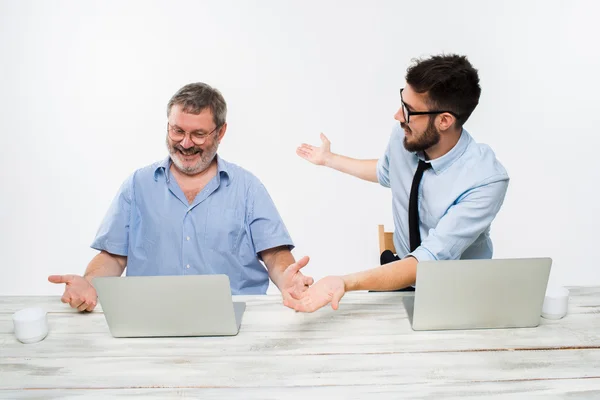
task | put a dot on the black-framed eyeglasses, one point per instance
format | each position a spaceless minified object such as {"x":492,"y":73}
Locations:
{"x":407,"y":113}
{"x":198,"y":137}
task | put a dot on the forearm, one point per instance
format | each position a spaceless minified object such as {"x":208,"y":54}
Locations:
{"x":392,"y":276}
{"x":105,"y":264}
{"x":363,"y":169}
{"x":277,"y":260}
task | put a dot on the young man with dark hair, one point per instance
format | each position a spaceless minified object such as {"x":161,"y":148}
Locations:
{"x":446,"y":188}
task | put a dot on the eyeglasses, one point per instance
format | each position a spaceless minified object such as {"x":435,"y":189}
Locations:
{"x":407,"y":113}
{"x":198,"y":137}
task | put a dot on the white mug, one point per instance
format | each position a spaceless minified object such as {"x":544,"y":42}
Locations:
{"x":31,"y":325}
{"x":556,"y":303}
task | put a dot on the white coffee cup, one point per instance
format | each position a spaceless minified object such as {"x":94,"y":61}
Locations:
{"x":31,"y":325}
{"x":556,"y":303}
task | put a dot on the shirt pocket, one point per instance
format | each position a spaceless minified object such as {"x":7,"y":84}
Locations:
{"x":222,"y":230}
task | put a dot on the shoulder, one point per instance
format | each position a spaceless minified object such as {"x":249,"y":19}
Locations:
{"x":151,"y":171}
{"x":481,"y":161}
{"x":239,"y":176}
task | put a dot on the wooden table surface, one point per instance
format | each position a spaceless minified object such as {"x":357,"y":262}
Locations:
{"x":366,"y":349}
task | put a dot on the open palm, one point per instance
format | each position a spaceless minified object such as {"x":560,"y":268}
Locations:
{"x":316,"y":155}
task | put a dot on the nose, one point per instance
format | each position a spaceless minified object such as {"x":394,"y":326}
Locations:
{"x":399,"y":116}
{"x":186,"y":143}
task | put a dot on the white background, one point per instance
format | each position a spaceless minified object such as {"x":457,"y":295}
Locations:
{"x":84,"y":87}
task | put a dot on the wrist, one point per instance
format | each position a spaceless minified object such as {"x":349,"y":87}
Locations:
{"x":350,"y":282}
{"x":328,"y":160}
{"x":88,"y":278}
{"x":276,"y":278}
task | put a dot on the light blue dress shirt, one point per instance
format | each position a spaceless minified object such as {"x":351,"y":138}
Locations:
{"x":231,"y":220}
{"x":459,"y":196}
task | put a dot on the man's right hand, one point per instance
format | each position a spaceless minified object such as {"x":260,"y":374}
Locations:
{"x":316,"y":155}
{"x":79,"y":292}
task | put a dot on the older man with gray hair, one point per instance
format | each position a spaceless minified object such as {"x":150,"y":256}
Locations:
{"x":192,"y":213}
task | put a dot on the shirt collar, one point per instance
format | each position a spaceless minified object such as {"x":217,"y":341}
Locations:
{"x":441,"y":163}
{"x":223,"y":169}
{"x":164,"y":166}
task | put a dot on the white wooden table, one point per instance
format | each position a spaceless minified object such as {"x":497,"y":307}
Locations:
{"x":364,"y":350}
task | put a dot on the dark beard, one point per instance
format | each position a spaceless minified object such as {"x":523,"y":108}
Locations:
{"x":429,"y":138}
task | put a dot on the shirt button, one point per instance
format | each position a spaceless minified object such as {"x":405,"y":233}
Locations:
{"x":187,"y":238}
{"x":187,"y":266}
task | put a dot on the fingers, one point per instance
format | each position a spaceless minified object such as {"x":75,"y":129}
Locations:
{"x":308,"y":280}
{"x":306,"y":154}
{"x":294,"y":301}
{"x":306,"y":147}
{"x":294,"y":294}
{"x":60,"y":278}
{"x":290,"y":302}
{"x":335,"y":301}
{"x":293,"y":269}
{"x":87,"y":306}
{"x":299,"y":305}
{"x":304,"y":303}
{"x":324,"y":138}
{"x":65,"y":298}
{"x":75,"y":303}
{"x":301,"y":263}
{"x":83,"y":304}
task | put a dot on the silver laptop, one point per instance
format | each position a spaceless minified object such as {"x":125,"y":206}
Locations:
{"x":472,"y":294}
{"x":191,"y":305}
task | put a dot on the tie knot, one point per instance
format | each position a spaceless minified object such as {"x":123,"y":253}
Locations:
{"x":423,"y":165}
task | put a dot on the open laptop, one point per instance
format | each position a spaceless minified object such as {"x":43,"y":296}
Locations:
{"x":190,"y":305}
{"x":472,"y":294}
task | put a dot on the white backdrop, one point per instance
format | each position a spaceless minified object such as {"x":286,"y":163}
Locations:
{"x":84,"y":86}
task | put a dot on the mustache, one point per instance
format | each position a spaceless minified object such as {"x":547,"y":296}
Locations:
{"x":404,"y":126}
{"x":188,"y":152}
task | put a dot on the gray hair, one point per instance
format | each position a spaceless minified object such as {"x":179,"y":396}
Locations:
{"x":195,"y":97}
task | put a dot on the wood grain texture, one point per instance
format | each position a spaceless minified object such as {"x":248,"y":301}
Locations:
{"x":297,"y":370}
{"x":365,"y":349}
{"x":577,"y":389}
{"x":367,"y":336}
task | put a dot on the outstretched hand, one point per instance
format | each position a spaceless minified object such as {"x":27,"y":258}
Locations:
{"x":316,"y":155}
{"x":79,"y":293}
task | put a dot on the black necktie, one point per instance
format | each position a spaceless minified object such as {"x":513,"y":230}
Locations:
{"x":413,"y":206}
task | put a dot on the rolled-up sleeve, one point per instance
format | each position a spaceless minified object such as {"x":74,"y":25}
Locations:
{"x":266,"y":226}
{"x":464,"y":222}
{"x":113,"y":234}
{"x":383,"y":168}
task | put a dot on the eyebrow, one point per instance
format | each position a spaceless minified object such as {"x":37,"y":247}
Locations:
{"x":405,"y":103}
{"x":408,"y":106}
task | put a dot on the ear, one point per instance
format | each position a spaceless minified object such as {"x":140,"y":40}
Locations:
{"x":445,"y":122}
{"x":222,"y":131}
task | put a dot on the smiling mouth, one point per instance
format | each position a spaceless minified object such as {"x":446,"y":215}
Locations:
{"x":192,"y":154}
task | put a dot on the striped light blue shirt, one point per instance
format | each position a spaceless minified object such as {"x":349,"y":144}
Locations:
{"x":231,"y":220}
{"x":459,"y":196}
